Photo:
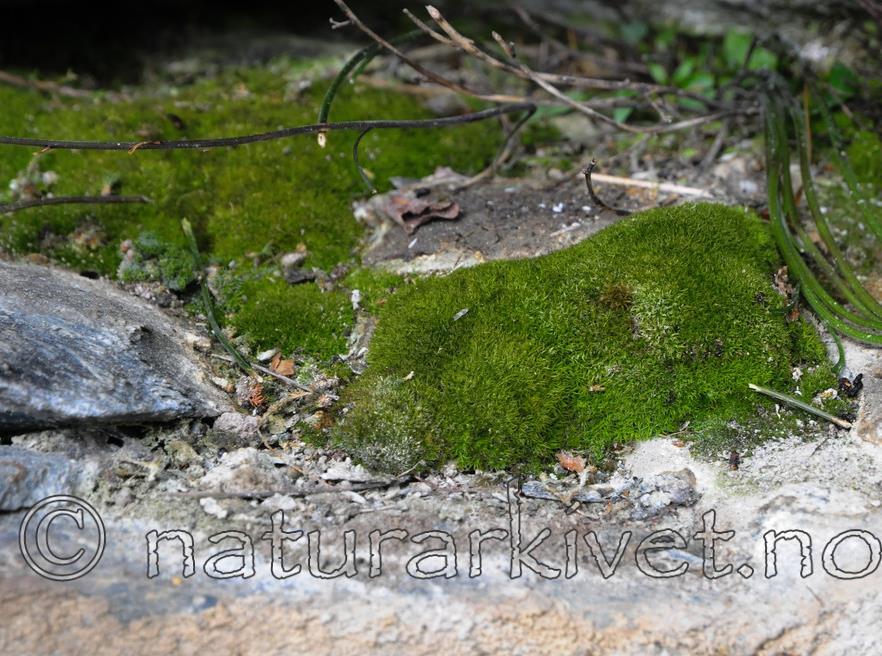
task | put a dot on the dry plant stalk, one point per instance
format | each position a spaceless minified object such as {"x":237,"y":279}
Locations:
{"x":553,"y":84}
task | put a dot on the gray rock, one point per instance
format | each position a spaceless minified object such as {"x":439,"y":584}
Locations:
{"x":26,"y":477}
{"x":293,"y":260}
{"x":75,"y":351}
{"x":662,"y":492}
{"x":298,"y":276}
{"x":243,"y":471}
{"x":237,"y":423}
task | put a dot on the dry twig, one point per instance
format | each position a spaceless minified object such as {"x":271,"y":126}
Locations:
{"x":594,"y":197}
{"x":228,"y":142}
{"x":42,"y":85}
{"x":70,"y":200}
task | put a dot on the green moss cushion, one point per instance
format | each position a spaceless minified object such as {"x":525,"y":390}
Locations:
{"x":662,"y":318}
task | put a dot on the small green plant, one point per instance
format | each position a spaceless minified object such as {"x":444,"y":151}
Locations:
{"x":704,"y":68}
{"x":828,"y":282}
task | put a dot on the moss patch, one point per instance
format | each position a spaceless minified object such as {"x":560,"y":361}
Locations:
{"x":662,"y":318}
{"x":865,"y":155}
{"x":266,"y":197}
{"x":272,"y":313}
{"x":849,"y":215}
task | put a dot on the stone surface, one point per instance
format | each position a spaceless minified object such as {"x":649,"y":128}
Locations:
{"x":27,"y":476}
{"x":245,"y":470}
{"x":245,"y":426}
{"x":79,"y":351}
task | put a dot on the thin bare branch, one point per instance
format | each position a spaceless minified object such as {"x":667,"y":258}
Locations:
{"x":594,"y":197}
{"x":228,"y":142}
{"x":43,"y":85}
{"x":422,"y":70}
{"x":557,"y":93}
{"x":663,"y":187}
{"x":502,"y":156}
{"x":70,"y":200}
{"x":440,"y":38}
{"x":468,"y":46}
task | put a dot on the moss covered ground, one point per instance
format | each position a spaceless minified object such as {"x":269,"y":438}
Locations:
{"x":248,"y":205}
{"x":660,"y":319}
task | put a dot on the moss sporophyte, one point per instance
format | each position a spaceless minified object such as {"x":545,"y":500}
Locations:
{"x":662,"y":318}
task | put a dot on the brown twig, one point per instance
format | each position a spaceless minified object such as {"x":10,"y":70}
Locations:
{"x":267,"y":371}
{"x":468,"y":46}
{"x":503,"y":154}
{"x":663,"y":187}
{"x":546,"y":81}
{"x":42,"y":85}
{"x":592,"y":113}
{"x":228,"y":142}
{"x":508,"y":49}
{"x":440,"y":38}
{"x":70,"y":200}
{"x":594,"y":197}
{"x":711,"y":155}
{"x":456,"y":40}
{"x":422,"y":70}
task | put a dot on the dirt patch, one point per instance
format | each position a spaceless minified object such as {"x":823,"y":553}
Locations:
{"x":505,"y":219}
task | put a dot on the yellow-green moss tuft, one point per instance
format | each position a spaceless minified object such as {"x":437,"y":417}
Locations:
{"x":662,"y":318}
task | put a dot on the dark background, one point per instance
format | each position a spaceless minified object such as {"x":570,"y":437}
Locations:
{"x":109,"y":44}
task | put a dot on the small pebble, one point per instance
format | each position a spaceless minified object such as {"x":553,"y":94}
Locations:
{"x":266,"y":356}
{"x":293,"y":260}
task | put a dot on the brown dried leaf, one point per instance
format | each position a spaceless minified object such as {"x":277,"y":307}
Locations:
{"x":411,"y":212}
{"x":571,"y":462}
{"x":282,"y":367}
{"x":325,"y":401}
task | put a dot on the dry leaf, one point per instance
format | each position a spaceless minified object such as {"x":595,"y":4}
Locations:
{"x":410,"y":212}
{"x":571,"y":462}
{"x":282,"y":367}
{"x":325,"y":420}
